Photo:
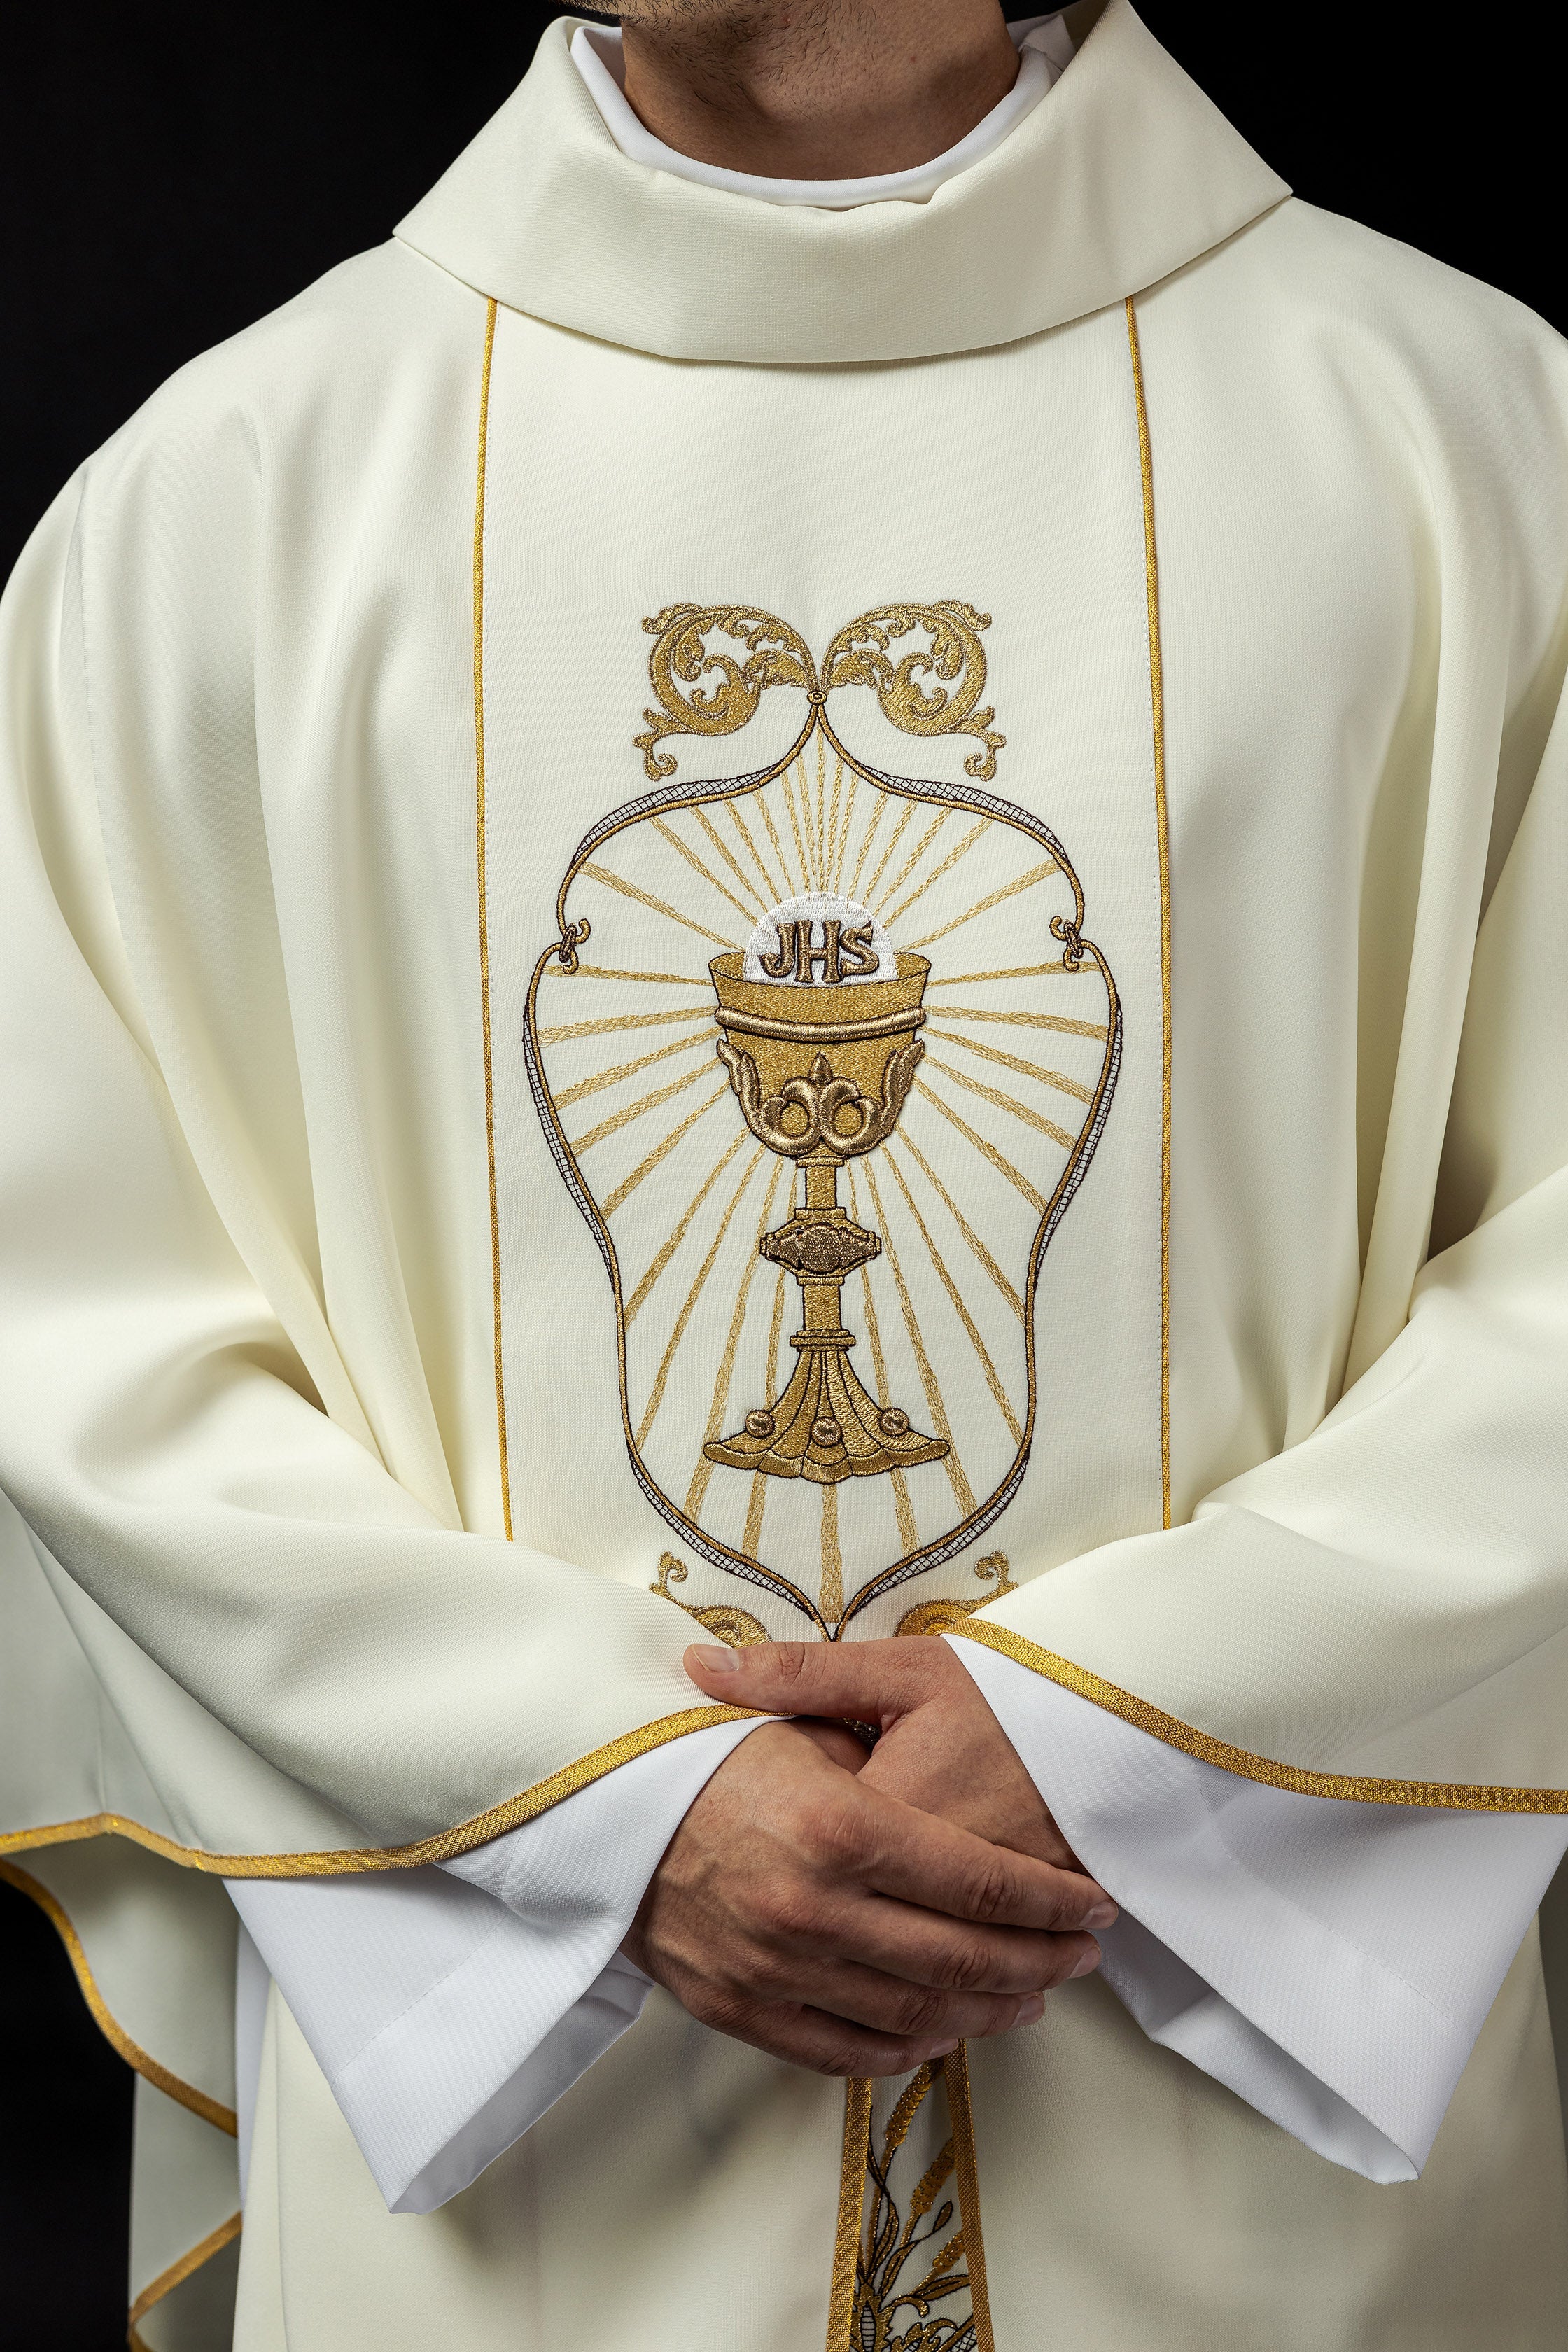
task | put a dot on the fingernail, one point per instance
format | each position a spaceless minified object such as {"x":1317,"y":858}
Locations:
{"x":1090,"y":1960}
{"x":1103,"y":1915}
{"x":713,"y":1658}
{"x":1031,"y":2011}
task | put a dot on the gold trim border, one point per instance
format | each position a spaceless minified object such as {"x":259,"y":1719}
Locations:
{"x":857,"y":2095}
{"x":338,"y":1862}
{"x":1162,"y":837}
{"x":211,"y":2111}
{"x":1351,"y":1788}
{"x":961,"y":2114}
{"x":177,"y":2274}
{"x":482,"y":869}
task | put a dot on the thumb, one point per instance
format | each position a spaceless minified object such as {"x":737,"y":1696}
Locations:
{"x":870,"y":1682}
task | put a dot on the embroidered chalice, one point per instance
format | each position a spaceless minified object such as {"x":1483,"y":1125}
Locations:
{"x":819,"y":1018}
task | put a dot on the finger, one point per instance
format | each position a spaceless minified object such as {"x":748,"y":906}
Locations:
{"x":897,"y":1849}
{"x":863,"y":1996}
{"x":825,"y":2044}
{"x":926,"y":1949}
{"x":870,"y":1682}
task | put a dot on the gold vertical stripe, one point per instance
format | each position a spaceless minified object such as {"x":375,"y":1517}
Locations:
{"x":851,"y":2209}
{"x":955,"y":2074}
{"x":831,"y":1595}
{"x":1163,"y":835}
{"x":481,"y":859}
{"x":211,"y":2111}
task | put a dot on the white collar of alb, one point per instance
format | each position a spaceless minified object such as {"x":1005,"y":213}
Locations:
{"x":1045,"y":48}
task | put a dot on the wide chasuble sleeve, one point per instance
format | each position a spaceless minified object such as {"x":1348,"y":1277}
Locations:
{"x":981,"y":1044}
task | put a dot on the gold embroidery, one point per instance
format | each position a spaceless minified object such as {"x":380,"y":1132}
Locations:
{"x":825,"y":1080}
{"x":964,"y":1493}
{"x":858,"y":656}
{"x":731,"y":860}
{"x":1048,"y":1078}
{"x":1162,"y":839}
{"x":832,"y":1593}
{"x":656,"y":1397}
{"x":962,"y":1221}
{"x":684,"y":849}
{"x":955,"y":2070}
{"x":1003,"y":1101}
{"x":629,"y":1111}
{"x":942,"y":1616}
{"x":716,"y":1412}
{"x":1056,"y":1021}
{"x":658,"y":905}
{"x":988,"y":1150}
{"x":976,"y":833}
{"x":660,"y":1153}
{"x":776,"y":657}
{"x":736,"y":1626}
{"x":667,"y":1248}
{"x":619,"y":1070}
{"x":619,"y":1021}
{"x":992,"y":900}
{"x":858,"y":2094}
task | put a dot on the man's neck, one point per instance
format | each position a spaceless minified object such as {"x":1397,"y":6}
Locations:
{"x":816,"y":90}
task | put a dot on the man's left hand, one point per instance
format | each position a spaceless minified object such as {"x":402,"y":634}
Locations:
{"x":939,"y":1745}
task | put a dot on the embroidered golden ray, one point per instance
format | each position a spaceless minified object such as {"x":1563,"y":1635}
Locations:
{"x":819,"y":902}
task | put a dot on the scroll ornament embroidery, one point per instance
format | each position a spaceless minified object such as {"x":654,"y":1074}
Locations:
{"x":874,"y":1052}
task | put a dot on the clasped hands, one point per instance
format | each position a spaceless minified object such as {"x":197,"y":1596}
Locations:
{"x":861,"y":1913}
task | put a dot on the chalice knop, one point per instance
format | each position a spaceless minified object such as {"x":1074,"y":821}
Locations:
{"x":821,"y":1071}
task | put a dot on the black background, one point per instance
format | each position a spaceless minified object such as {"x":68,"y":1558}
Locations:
{"x":169,"y":173}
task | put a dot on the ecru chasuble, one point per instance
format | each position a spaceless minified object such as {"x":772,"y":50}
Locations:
{"x":657,"y":966}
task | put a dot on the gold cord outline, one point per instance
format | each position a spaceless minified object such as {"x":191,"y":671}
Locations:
{"x":211,"y":2111}
{"x":1351,"y":1788}
{"x":1162,"y":836}
{"x":175,"y":2275}
{"x":339,"y":1862}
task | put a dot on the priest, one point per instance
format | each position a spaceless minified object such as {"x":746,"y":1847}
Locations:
{"x":784,"y":1272}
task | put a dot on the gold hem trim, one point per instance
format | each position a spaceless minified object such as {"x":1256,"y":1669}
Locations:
{"x":955,"y":2074}
{"x":858,"y":2094}
{"x":1438,"y":1796}
{"x":177,"y":2274}
{"x":1163,"y":836}
{"x":337,"y":1861}
{"x":211,"y":2111}
{"x":481,"y":863}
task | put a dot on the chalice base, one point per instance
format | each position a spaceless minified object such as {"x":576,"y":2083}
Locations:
{"x":826,"y":1427}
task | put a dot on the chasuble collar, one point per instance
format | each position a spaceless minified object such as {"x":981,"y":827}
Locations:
{"x":1125,"y":174}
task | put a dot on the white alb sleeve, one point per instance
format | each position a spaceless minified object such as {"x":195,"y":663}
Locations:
{"x":449,"y":2007}
{"x":1330,"y":1963}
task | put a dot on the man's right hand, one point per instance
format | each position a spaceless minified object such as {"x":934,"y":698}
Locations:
{"x":831,"y":1925}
